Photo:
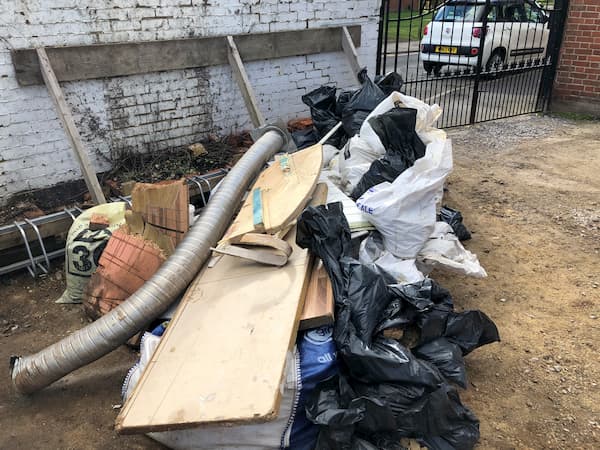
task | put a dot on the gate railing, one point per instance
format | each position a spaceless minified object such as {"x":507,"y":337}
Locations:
{"x":480,"y":60}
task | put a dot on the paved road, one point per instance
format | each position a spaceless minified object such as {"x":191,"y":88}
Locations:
{"x":405,"y":64}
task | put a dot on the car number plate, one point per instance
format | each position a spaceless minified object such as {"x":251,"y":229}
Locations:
{"x":442,"y":49}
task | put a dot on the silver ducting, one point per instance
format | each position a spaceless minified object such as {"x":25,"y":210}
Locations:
{"x":34,"y":372}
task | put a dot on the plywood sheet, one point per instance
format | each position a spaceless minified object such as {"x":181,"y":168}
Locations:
{"x":279,"y":194}
{"x":222,"y":358}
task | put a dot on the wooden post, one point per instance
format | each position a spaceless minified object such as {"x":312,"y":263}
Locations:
{"x":241,"y":77}
{"x":64,"y":114}
{"x":351,"y":54}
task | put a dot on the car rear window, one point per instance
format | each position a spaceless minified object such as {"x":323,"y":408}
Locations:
{"x":467,"y":12}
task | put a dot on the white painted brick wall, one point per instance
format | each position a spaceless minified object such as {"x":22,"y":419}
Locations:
{"x":159,"y":110}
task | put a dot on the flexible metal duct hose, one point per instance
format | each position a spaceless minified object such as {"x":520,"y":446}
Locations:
{"x":34,"y":372}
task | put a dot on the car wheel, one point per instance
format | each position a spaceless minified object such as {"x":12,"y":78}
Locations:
{"x":428,"y":67}
{"x":495,"y":62}
{"x":437,"y":70}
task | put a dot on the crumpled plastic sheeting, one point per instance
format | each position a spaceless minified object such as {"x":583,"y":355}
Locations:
{"x":385,"y":391}
{"x":444,"y":249}
{"x":372,"y":252}
{"x":430,"y":307}
{"x":455,"y":219}
{"x":356,"y":219}
{"x":379,"y":415}
{"x":329,"y":152}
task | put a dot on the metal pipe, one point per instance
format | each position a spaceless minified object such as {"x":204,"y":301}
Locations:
{"x":34,"y":372}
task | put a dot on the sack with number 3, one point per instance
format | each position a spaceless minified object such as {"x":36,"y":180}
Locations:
{"x":84,"y":247}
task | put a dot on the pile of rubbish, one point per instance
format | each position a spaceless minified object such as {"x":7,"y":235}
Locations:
{"x":337,"y":240}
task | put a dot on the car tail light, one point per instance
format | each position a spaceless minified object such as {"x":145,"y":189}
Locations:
{"x":474,"y":51}
{"x":476,"y":32}
{"x":425,"y":30}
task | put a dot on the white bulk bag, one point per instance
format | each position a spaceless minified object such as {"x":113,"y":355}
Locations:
{"x":404,"y":212}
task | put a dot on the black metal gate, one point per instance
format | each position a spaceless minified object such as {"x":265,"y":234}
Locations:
{"x":478,"y":59}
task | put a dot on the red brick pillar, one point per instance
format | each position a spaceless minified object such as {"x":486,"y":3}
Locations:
{"x":577,"y":83}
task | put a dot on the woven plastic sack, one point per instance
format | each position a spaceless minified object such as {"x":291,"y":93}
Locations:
{"x":404,"y":212}
{"x":426,"y":117}
{"x":84,"y":247}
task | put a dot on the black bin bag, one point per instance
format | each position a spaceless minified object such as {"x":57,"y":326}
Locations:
{"x":360,"y":104}
{"x":447,"y":357}
{"x":470,"y":330}
{"x":455,"y":219}
{"x":396,"y":131}
{"x":322,"y":104}
{"x":390,"y":82}
{"x":384,"y":390}
{"x":305,"y":138}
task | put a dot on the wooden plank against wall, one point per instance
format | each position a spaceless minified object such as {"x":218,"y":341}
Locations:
{"x":113,"y":60}
{"x":351,"y":53}
{"x":241,"y":78}
{"x":64,"y":114}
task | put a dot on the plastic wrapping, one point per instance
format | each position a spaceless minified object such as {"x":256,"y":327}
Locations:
{"x":470,"y":330}
{"x":455,"y":219}
{"x":372,"y":252}
{"x":426,"y":117}
{"x":329,"y":152}
{"x":444,"y":250}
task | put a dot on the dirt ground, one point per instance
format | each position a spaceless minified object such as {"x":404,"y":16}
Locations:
{"x":529,"y":190}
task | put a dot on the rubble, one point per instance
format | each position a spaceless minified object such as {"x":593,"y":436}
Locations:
{"x":386,"y":346}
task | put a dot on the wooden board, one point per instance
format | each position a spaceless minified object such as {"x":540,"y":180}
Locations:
{"x":266,"y":240}
{"x":66,"y":119}
{"x":268,"y":257}
{"x":222,"y":357}
{"x":284,"y":188}
{"x":319,"y":304}
{"x":241,"y":78}
{"x":119,"y":59}
{"x":351,"y":53}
